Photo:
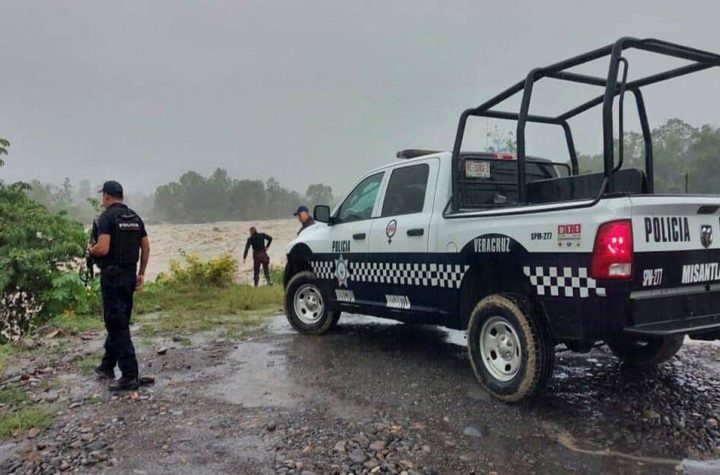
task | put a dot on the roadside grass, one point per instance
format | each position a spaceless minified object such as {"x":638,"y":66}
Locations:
{"x":18,"y":414}
{"x":24,"y":419}
{"x":13,"y":396}
{"x":86,"y":364}
{"x":77,"y":323}
{"x":6,"y":351}
{"x":171,"y":310}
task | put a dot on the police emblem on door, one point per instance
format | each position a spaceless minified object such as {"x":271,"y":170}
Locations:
{"x":342,"y":272}
{"x":706,"y":236}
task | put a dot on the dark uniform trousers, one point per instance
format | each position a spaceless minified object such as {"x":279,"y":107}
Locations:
{"x":117,"y":294}
{"x":261,"y":259}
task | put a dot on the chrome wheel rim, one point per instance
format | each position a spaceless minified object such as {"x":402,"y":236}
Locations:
{"x":500,"y":348}
{"x":309,"y":304}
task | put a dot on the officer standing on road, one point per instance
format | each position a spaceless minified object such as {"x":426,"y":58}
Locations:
{"x":260,"y":242}
{"x":121,"y":240}
{"x":303,"y":215}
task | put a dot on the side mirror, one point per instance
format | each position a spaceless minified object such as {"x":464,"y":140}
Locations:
{"x":321,"y":214}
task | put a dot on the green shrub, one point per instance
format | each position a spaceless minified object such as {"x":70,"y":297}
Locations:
{"x":39,"y":252}
{"x":69,"y":294}
{"x":277,"y":274}
{"x":217,"y":272}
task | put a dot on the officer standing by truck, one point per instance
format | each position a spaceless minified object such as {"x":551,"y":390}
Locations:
{"x":303,"y":215}
{"x":121,"y":241}
{"x":260,"y":242}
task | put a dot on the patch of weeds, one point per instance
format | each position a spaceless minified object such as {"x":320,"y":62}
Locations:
{"x":24,"y":419}
{"x":13,"y":396}
{"x":86,"y":364}
{"x":5,"y":352}
{"x":77,"y":323}
{"x":18,"y":414}
{"x":166,"y":310}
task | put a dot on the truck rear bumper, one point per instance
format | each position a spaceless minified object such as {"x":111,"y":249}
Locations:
{"x":690,"y":310}
{"x":692,"y":325}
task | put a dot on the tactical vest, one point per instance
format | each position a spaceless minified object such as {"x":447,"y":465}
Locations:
{"x":124,"y":239}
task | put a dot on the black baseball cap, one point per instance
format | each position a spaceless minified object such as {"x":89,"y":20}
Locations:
{"x":112,"y":188}
{"x":300,"y":210}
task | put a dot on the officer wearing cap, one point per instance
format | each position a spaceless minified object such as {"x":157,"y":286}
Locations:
{"x":303,"y":215}
{"x":121,"y":240}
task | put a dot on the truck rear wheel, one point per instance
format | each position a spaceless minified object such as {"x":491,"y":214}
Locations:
{"x":648,"y":352}
{"x":306,"y":308}
{"x":511,"y":354}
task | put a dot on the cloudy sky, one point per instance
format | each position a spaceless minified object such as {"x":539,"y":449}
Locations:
{"x":305,"y":91}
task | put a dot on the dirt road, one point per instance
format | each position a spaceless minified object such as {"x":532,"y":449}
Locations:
{"x":376,"y":397}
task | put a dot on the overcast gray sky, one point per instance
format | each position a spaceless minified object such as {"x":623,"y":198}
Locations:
{"x":305,"y":91}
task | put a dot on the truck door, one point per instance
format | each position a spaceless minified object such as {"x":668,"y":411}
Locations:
{"x":399,"y":236}
{"x":349,"y":237}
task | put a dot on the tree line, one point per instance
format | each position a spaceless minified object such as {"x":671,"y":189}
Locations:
{"x":685,"y":158}
{"x":219,"y":197}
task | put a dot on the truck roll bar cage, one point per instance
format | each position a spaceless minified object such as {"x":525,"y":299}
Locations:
{"x":614,"y":86}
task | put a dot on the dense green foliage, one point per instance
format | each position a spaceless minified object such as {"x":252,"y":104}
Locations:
{"x":197,"y":199}
{"x":38,"y":250}
{"x":39,"y":255}
{"x":679,"y":150}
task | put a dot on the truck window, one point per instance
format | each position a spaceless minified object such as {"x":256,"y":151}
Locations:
{"x":360,"y":202}
{"x":489,"y":183}
{"x":406,"y":190}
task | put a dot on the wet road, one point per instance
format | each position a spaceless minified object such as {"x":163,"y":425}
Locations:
{"x":375,"y":396}
{"x":371,"y":396}
{"x":595,"y":417}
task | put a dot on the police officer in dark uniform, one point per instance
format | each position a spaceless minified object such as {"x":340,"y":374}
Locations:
{"x":121,"y":240}
{"x":303,"y":215}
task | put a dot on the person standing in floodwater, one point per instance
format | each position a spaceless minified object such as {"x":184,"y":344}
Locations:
{"x":260,"y":242}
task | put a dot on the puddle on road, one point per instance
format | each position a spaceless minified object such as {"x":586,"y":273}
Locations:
{"x":567,"y":441}
{"x":695,"y":467}
{"x":280,"y":326}
{"x":255,"y":375}
{"x":687,"y":466}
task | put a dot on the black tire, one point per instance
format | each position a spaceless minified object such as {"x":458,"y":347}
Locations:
{"x":308,"y":322}
{"x":337,"y":314}
{"x":650,"y":352}
{"x":536,"y":354}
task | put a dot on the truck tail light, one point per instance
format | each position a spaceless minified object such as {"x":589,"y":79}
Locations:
{"x":503,"y":156}
{"x":613,"y":252}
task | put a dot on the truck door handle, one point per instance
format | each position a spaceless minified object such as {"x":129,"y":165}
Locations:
{"x":359,"y":236}
{"x":415,"y":232}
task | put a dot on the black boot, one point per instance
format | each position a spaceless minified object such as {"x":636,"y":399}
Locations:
{"x":104,"y":373}
{"x":124,"y":384}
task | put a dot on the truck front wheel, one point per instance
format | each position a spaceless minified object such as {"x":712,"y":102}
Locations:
{"x":306,"y":308}
{"x":648,"y":352}
{"x":511,"y":354}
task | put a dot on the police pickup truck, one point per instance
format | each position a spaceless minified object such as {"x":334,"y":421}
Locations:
{"x":523,"y":253}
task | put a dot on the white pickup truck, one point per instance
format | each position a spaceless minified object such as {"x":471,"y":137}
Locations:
{"x":523,"y":253}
